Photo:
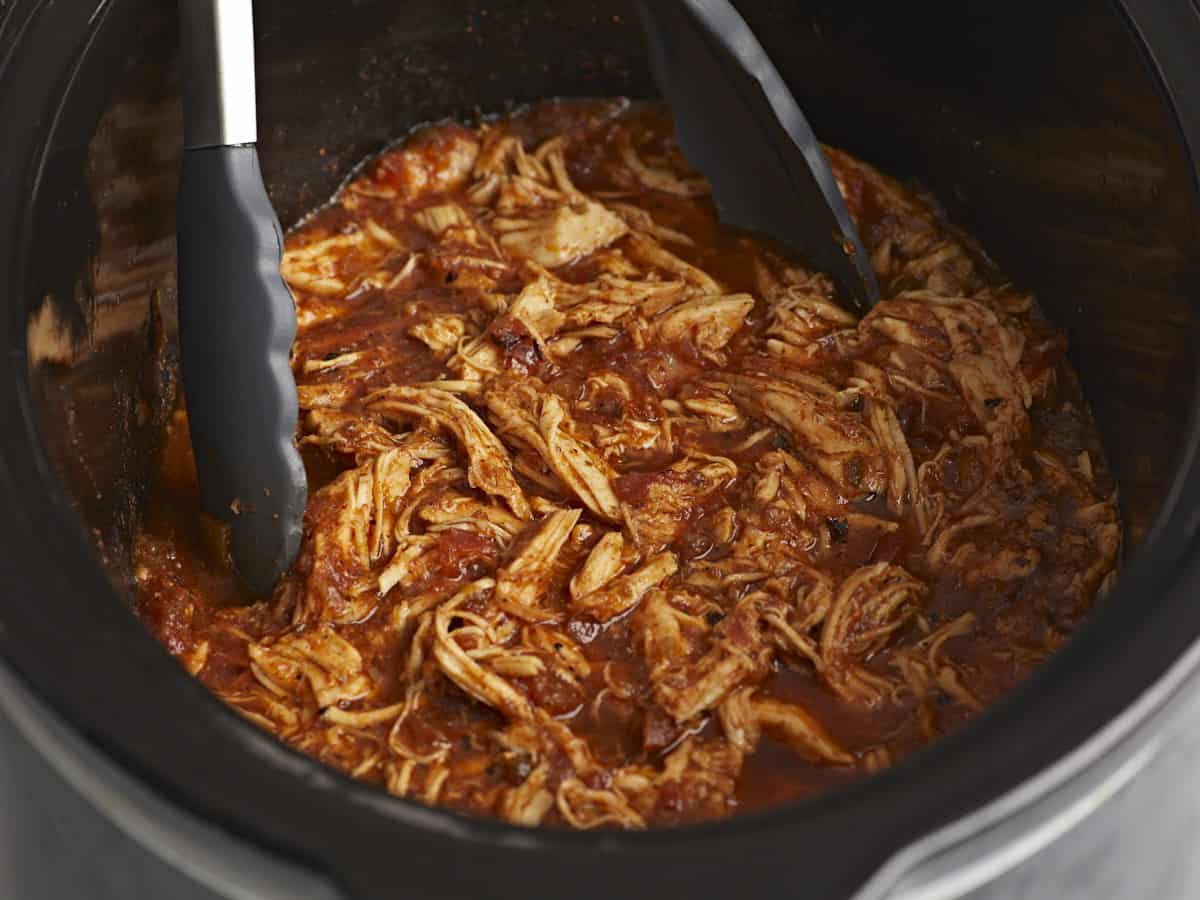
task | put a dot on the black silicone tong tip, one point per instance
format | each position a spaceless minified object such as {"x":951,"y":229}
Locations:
{"x":737,"y":122}
{"x":237,"y":318}
{"x":236,"y":325}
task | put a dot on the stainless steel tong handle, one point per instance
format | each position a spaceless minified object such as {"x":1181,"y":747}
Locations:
{"x":217,"y":39}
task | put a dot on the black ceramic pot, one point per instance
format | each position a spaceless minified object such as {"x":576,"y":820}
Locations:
{"x":1064,"y":134}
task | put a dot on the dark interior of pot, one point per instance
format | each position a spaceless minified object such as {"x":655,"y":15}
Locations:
{"x":1060,"y":156}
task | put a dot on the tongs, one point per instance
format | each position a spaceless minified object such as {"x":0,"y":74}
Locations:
{"x":236,"y":315}
{"x":737,"y":122}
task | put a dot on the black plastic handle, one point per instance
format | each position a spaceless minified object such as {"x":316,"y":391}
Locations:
{"x":738,"y":123}
{"x":237,"y":321}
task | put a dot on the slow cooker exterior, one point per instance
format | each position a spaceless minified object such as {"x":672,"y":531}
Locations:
{"x":1069,"y":148}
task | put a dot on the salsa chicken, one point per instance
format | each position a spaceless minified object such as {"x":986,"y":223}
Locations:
{"x":617,"y":517}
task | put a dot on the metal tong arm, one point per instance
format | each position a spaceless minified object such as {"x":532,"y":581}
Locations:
{"x":217,"y":39}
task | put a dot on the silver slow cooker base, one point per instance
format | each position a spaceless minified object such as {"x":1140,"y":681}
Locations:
{"x":1141,"y":843}
{"x":55,"y":844}
{"x":74,"y":825}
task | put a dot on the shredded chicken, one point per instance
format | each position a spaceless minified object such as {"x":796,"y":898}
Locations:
{"x":799,"y":730}
{"x":560,"y":236}
{"x":540,"y":419}
{"x":709,"y":321}
{"x":527,"y":576}
{"x":870,"y":606}
{"x":619,"y":595}
{"x":602,"y":565}
{"x":617,"y":516}
{"x":668,"y":498}
{"x":489,"y":465}
{"x":320,"y":660}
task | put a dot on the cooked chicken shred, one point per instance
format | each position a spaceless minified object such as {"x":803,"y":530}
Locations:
{"x":618,"y":519}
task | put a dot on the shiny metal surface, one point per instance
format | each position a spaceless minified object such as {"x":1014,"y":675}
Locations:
{"x":1140,"y":843}
{"x":217,"y":39}
{"x":75,"y":826}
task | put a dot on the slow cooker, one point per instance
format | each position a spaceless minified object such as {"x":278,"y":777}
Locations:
{"x":1065,"y":135}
